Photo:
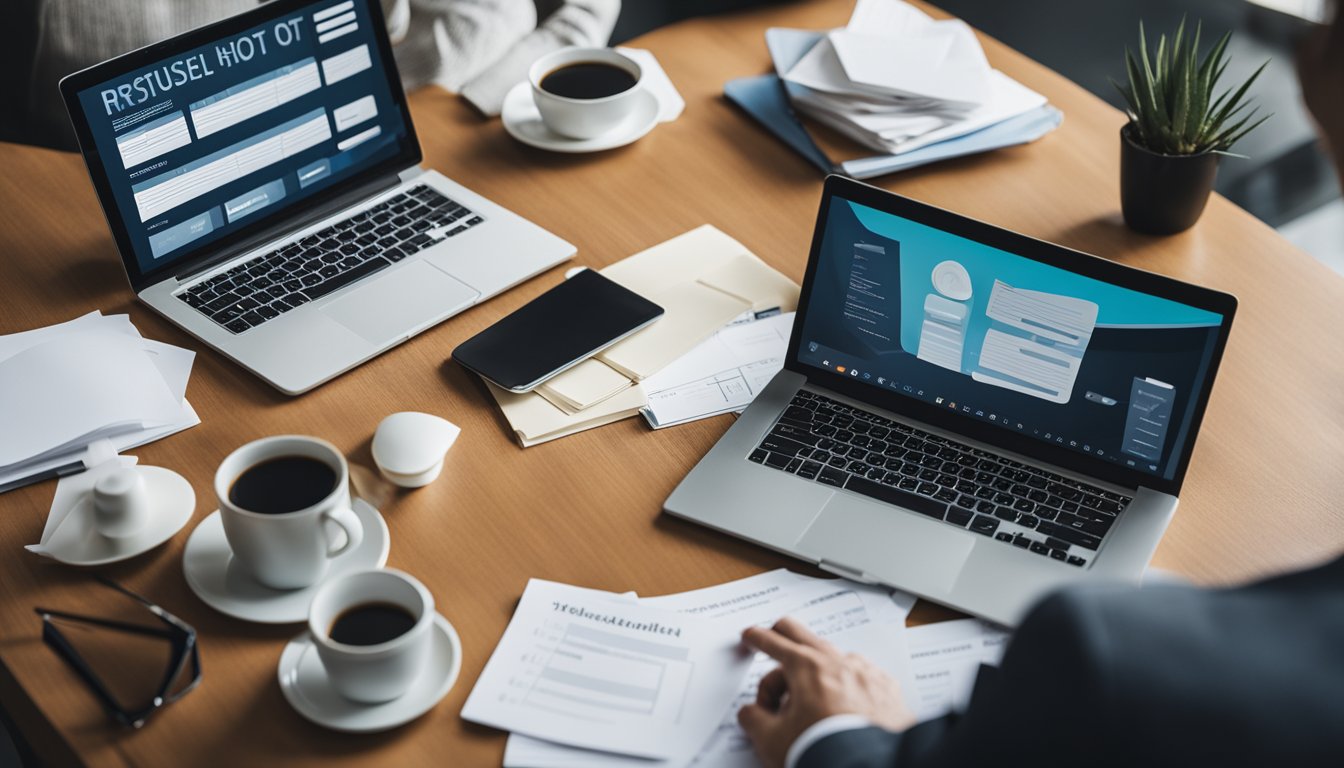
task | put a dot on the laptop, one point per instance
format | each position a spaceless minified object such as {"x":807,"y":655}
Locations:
{"x":261,"y":179}
{"x":966,"y":413}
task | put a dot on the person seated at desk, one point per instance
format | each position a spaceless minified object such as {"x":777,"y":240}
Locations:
{"x":1159,"y":676}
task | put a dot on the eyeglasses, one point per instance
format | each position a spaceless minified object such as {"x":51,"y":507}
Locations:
{"x":181,"y":673}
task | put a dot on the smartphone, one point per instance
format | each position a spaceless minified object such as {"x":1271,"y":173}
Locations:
{"x":556,"y":331}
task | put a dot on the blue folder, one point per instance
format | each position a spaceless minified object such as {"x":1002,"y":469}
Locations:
{"x":766,"y":98}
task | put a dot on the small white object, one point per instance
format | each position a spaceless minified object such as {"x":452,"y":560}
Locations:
{"x":952,"y":280}
{"x":409,"y":447}
{"x":120,"y":503}
{"x":572,"y":271}
{"x":522,"y":121}
{"x":223,"y":584}
{"x":584,"y":118}
{"x":165,"y":507}
{"x":304,"y":683}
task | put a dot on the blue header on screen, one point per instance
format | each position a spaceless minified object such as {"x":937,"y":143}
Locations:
{"x":211,"y":141}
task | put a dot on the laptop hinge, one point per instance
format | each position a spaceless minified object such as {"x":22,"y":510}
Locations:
{"x":845,"y":572}
{"x":292,"y":224}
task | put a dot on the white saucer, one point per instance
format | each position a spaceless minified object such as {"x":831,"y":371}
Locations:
{"x":172,"y":503}
{"x":304,"y":683}
{"x":523,"y":122}
{"x":222,"y":583}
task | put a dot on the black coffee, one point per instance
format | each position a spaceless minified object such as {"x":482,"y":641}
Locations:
{"x":282,"y":485}
{"x":587,"y":80}
{"x":371,"y":624}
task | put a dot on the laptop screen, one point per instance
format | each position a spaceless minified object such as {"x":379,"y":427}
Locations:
{"x":217,"y":136}
{"x":1009,"y":341}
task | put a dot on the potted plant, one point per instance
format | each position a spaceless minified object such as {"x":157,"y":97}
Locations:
{"x":1177,"y":130}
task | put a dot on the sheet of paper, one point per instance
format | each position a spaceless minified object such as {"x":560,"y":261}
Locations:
{"x":608,"y":674}
{"x":61,"y":391}
{"x":834,"y":608}
{"x":721,"y":375}
{"x":1036,"y":343}
{"x":944,"y":659}
{"x":755,"y":282}
{"x":584,"y":386}
{"x":890,"y":18}
{"x":944,"y":61}
{"x":535,"y":421}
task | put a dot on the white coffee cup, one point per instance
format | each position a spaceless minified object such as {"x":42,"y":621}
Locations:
{"x":290,"y":550}
{"x":120,"y":503}
{"x":584,"y":118}
{"x":372,"y":673}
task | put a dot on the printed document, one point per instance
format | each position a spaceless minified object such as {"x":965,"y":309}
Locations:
{"x":609,"y":674}
{"x":944,"y":660}
{"x":833,"y":608}
{"x":721,"y":375}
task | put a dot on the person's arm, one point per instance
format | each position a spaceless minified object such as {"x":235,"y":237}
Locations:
{"x":1044,"y":701}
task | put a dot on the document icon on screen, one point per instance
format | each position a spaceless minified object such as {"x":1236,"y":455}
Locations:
{"x":1149,"y":415}
{"x":1035,"y":342}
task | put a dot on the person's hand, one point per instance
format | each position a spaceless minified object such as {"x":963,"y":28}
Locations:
{"x":1320,"y":68}
{"x":814,"y":680}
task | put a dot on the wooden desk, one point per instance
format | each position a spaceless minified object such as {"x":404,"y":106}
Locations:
{"x":1261,"y":494}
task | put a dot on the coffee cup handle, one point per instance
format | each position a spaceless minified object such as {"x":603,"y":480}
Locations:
{"x":354,"y":530}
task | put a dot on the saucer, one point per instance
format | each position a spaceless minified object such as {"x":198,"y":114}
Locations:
{"x":523,"y":122}
{"x":222,"y":584}
{"x":172,"y":503}
{"x":304,"y":683}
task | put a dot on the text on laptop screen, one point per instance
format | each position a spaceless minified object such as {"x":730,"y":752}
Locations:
{"x":1032,"y":348}
{"x":218,"y":138}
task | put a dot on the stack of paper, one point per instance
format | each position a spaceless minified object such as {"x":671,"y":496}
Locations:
{"x":587,"y":661}
{"x":703,"y":280}
{"x":895,"y":80}
{"x":66,"y":386}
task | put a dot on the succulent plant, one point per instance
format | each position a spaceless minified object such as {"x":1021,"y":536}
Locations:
{"x":1171,"y":106}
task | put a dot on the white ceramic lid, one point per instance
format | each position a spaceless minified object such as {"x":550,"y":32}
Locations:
{"x":412,"y":443}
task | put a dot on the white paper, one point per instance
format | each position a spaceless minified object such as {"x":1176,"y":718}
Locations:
{"x":833,"y":608}
{"x":173,"y":367}
{"x":603,"y":673}
{"x":943,"y":61}
{"x":722,"y":374}
{"x":944,"y":659}
{"x":61,"y":391}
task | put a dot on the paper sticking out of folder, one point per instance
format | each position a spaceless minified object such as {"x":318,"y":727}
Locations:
{"x":703,"y":279}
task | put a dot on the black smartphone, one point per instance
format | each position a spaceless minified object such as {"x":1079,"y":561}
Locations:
{"x":555,"y":331}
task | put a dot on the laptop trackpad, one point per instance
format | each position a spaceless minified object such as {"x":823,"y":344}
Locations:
{"x":404,"y":301}
{"x":889,"y":544}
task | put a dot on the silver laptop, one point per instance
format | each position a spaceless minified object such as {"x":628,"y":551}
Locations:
{"x":966,"y":413}
{"x":261,"y":179}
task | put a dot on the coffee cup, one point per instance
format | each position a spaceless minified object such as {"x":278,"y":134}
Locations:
{"x":285,"y":505}
{"x":583,"y":93}
{"x":120,"y":503}
{"x":372,"y":631}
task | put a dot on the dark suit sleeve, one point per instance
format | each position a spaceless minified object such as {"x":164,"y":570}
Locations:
{"x":1042,"y":701}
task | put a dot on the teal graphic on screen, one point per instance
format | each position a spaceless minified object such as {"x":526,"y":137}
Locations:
{"x":211,"y":140}
{"x":991,"y":335}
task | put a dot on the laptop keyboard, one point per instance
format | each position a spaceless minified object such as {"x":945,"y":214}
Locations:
{"x":825,"y":441}
{"x":271,"y":284}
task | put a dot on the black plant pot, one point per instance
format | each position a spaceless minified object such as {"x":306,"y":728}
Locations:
{"x":1163,"y":194}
